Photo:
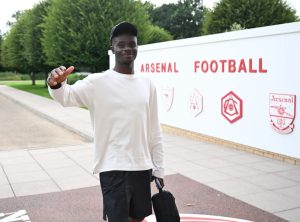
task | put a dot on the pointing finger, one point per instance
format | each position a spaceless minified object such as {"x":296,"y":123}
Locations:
{"x":69,"y":70}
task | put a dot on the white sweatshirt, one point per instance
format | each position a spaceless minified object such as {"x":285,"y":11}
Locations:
{"x":123,"y":110}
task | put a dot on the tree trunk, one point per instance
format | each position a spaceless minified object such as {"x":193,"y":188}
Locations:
{"x":33,"y":78}
{"x":46,"y":76}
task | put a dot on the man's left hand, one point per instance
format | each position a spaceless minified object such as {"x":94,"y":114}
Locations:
{"x":161,"y":181}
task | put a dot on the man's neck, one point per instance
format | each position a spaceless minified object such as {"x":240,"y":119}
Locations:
{"x":125,"y":69}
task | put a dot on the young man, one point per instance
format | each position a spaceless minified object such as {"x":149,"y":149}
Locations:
{"x":128,"y":151}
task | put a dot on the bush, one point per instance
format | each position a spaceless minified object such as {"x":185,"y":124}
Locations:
{"x":25,"y":77}
{"x":74,"y":77}
{"x":12,"y":76}
{"x":39,"y":76}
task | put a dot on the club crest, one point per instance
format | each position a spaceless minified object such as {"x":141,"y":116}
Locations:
{"x":232,"y":107}
{"x":167,"y":97}
{"x":195,"y":103}
{"x":282,"y":112}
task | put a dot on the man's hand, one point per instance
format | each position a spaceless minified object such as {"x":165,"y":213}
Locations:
{"x":161,"y":181}
{"x":59,"y":75}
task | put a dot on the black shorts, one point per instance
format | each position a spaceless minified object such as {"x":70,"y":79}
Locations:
{"x":126,"y":194}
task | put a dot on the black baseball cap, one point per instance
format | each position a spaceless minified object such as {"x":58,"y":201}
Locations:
{"x":123,"y":28}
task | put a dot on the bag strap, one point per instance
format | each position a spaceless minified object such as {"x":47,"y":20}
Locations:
{"x":158,"y":185}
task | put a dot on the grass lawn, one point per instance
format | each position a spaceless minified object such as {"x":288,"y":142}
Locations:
{"x":38,"y":89}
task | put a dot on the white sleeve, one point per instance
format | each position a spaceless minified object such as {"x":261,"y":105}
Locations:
{"x":78,"y":94}
{"x":156,"y":139}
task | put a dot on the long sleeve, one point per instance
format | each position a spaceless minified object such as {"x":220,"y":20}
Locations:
{"x":79,"y":94}
{"x":156,"y":139}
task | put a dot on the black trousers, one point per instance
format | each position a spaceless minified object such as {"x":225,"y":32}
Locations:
{"x":126,"y":194}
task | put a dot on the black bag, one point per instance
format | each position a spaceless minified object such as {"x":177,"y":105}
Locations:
{"x":164,"y":205}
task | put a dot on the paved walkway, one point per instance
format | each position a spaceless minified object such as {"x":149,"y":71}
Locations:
{"x":21,"y":129}
{"x":268,"y":184}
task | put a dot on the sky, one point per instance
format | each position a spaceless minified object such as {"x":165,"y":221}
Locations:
{"x":9,"y":7}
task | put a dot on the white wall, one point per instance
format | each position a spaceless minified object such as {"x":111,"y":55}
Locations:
{"x":278,"y":47}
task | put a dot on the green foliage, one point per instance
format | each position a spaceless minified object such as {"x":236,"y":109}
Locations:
{"x":182,"y":20}
{"x":248,"y":14}
{"x":1,"y":40}
{"x":157,"y":34}
{"x":9,"y":76}
{"x":207,"y":19}
{"x":32,"y":37}
{"x":235,"y":27}
{"x":163,"y":17}
{"x":71,"y":32}
{"x":21,"y":50}
{"x":12,"y":48}
{"x":74,"y":78}
{"x":76,"y":32}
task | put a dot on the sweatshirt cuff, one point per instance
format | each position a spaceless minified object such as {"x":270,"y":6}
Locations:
{"x":158,"y":173}
{"x":56,"y":86}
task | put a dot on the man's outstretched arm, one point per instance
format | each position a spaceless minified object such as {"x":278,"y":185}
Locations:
{"x":78,"y":94}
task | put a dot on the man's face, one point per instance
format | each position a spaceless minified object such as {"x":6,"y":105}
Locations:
{"x":125,"y":48}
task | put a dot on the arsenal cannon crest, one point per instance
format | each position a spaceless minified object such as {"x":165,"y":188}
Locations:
{"x":232,"y":107}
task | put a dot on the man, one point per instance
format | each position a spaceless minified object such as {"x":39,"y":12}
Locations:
{"x":128,"y":151}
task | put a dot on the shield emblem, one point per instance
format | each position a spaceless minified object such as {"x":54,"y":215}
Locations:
{"x":200,"y":218}
{"x":195,"y":103}
{"x":167,"y":97}
{"x":282,"y":111}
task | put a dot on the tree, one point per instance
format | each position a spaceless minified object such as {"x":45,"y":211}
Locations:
{"x":1,"y":40}
{"x":76,"y":32}
{"x":162,"y":16}
{"x":22,"y":49}
{"x":157,"y":34}
{"x":182,"y":20}
{"x":12,"y":48}
{"x":32,"y":39}
{"x":248,"y":14}
{"x":71,"y":32}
